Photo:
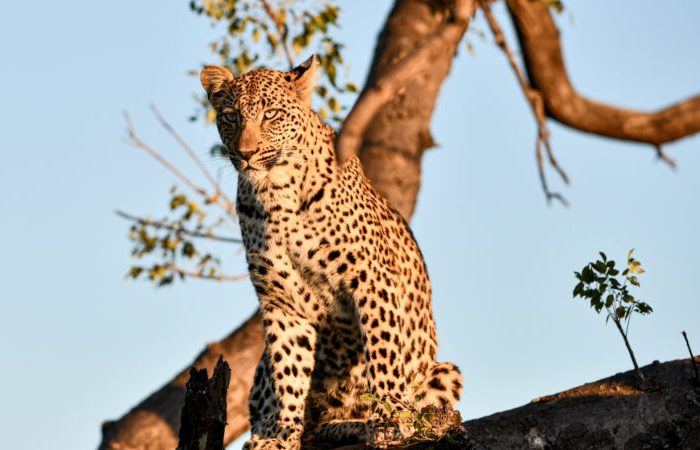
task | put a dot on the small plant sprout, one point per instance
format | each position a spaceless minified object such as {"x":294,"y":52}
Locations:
{"x":601,"y":283}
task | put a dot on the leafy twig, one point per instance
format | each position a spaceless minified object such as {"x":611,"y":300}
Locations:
{"x":598,"y":282}
{"x":177,"y":229}
{"x":198,"y":274}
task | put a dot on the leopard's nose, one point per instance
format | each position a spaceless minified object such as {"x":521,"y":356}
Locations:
{"x":245,"y":153}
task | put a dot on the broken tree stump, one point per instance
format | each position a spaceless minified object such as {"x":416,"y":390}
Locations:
{"x":203,"y":417}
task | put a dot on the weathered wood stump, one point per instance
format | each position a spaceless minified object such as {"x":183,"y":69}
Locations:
{"x":203,"y":416}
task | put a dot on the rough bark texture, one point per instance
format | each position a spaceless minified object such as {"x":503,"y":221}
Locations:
{"x":616,"y":412}
{"x":613,"y":413}
{"x":391,"y":155}
{"x":203,"y":417}
{"x":411,"y":66}
{"x":542,"y":54}
{"x":394,"y":143}
{"x":154,"y":423}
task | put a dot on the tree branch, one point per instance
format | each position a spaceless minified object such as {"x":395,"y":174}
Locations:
{"x":542,"y":55}
{"x":383,"y":88}
{"x":136,"y":141}
{"x":202,"y":276}
{"x":177,"y":229}
{"x":228,"y":204}
{"x":536,"y":105}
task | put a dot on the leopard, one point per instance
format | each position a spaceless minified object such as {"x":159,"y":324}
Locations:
{"x":342,"y":285}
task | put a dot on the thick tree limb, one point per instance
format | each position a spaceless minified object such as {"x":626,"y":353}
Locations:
{"x":615,"y":412}
{"x":542,"y":55}
{"x":399,"y":133}
{"x":382,"y":88}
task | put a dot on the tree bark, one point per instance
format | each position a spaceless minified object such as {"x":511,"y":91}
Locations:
{"x":203,"y":417}
{"x":616,"y":412}
{"x":391,"y":154}
{"x":613,"y":413}
{"x":542,"y":55}
{"x":394,"y":143}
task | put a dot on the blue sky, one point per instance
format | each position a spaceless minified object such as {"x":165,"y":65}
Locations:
{"x":80,"y":344}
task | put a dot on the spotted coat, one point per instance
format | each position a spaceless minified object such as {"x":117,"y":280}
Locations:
{"x":342,"y":284}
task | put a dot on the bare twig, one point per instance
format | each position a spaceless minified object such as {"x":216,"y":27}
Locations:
{"x":177,"y":229}
{"x":692,"y":358}
{"x":202,"y":276}
{"x":660,"y":154}
{"x":374,"y":96}
{"x":139,"y":143}
{"x":534,"y":97}
{"x":228,"y":204}
{"x":280,"y":30}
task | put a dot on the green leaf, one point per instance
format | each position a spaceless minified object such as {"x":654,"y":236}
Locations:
{"x":600,"y":267}
{"x":135,"y":271}
{"x":602,"y":255}
{"x":334,"y":104}
{"x":609,"y":301}
{"x":620,"y":312}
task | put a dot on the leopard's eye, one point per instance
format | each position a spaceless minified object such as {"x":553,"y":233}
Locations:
{"x":231,"y":117}
{"x":270,"y":114}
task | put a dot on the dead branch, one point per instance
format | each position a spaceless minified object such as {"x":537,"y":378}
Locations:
{"x":536,"y":105}
{"x":203,"y":417}
{"x":178,"y":229}
{"x":375,"y":95}
{"x":136,"y":141}
{"x":542,"y":56}
{"x":228,"y":204}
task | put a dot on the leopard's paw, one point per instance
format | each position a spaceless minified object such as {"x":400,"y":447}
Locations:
{"x":258,"y":443}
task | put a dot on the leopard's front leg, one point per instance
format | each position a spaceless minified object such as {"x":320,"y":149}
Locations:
{"x":382,"y":325}
{"x":287,"y":366}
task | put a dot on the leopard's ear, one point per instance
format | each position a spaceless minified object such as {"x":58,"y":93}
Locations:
{"x":303,"y":78}
{"x":213,"y":78}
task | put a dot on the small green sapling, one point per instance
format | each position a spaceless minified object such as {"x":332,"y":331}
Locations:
{"x":601,"y":283}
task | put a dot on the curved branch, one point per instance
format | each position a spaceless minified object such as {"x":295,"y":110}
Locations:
{"x":375,"y":95}
{"x":542,"y":55}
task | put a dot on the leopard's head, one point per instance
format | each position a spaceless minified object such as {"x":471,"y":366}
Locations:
{"x":263,"y":116}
